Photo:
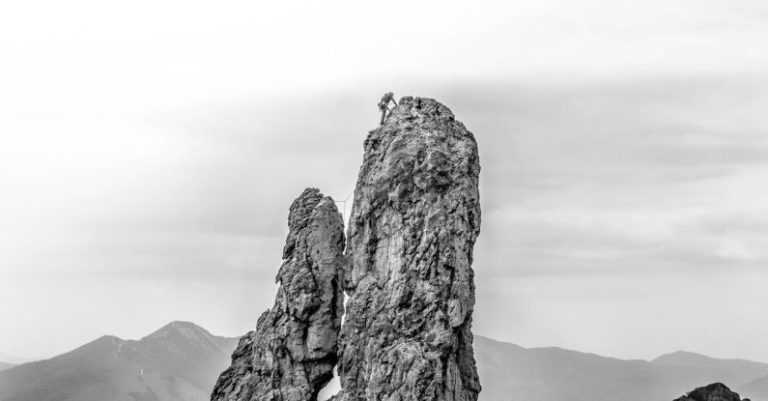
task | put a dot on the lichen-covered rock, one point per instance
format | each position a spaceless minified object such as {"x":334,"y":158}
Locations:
{"x":291,"y":354}
{"x":712,"y":392}
{"x":414,"y":222}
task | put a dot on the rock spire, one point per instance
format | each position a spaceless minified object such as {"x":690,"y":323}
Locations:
{"x":407,"y":271}
{"x":416,"y":215}
{"x":291,"y":354}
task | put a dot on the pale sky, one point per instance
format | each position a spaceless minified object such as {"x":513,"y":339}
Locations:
{"x":149,"y":151}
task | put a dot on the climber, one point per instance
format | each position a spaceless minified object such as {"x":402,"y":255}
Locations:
{"x":384,"y":104}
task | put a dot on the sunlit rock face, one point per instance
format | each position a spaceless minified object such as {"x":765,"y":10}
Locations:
{"x":416,"y":215}
{"x":291,"y":354}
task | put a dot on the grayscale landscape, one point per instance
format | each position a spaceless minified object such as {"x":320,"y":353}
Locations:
{"x":181,"y":361}
{"x":400,"y":201}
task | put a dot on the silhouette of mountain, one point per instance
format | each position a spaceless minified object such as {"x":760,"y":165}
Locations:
{"x":756,"y":390}
{"x":511,"y":372}
{"x":735,"y":372}
{"x":181,"y":361}
{"x":177,"y":362}
{"x":11,"y":359}
{"x":4,"y":366}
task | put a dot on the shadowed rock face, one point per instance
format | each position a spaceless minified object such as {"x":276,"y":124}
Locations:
{"x":414,"y":222}
{"x":712,"y":392}
{"x":291,"y":354}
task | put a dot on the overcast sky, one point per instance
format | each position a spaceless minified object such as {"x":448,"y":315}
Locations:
{"x":149,"y":151}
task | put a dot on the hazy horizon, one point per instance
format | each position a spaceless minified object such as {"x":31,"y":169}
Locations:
{"x":149,"y":153}
{"x":19,"y":360}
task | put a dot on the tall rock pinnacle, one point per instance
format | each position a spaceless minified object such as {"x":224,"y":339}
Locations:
{"x":291,"y":354}
{"x":407,"y":271}
{"x":415,"y":218}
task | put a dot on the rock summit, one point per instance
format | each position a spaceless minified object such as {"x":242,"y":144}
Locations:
{"x":407,"y":273}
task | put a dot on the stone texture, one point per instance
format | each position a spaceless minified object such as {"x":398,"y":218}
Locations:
{"x":291,"y":354}
{"x":712,"y":392}
{"x":415,"y":218}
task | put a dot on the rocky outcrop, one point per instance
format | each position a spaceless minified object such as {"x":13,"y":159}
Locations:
{"x":407,"y":271}
{"x":291,"y":354}
{"x":414,"y":222}
{"x":712,"y":392}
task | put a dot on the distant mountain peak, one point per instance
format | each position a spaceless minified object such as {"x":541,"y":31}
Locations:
{"x":185,"y":329}
{"x":110,"y":338}
{"x":689,"y":358}
{"x":178,"y":362}
{"x":105,"y":341}
{"x":12,"y":359}
{"x":179,"y":332}
{"x":680,"y":356}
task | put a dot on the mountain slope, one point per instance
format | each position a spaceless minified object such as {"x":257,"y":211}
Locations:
{"x":178,"y":362}
{"x":511,"y":372}
{"x":736,"y":372}
{"x":757,"y":389}
{"x":11,"y":359}
{"x":4,"y":366}
{"x":181,"y":361}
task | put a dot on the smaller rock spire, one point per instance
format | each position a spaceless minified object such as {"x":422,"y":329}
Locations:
{"x":291,"y":354}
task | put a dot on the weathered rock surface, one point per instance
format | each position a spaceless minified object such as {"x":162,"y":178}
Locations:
{"x":712,"y":392}
{"x":415,"y":218}
{"x":291,"y":354}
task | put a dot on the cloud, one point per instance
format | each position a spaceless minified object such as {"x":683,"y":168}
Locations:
{"x":155,"y":166}
{"x":619,"y":176}
{"x":610,"y":176}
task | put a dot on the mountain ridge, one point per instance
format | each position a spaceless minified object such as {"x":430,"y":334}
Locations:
{"x":684,"y":357}
{"x":756,"y":389}
{"x":508,"y":371}
{"x":168,"y":367}
{"x":12,"y":359}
